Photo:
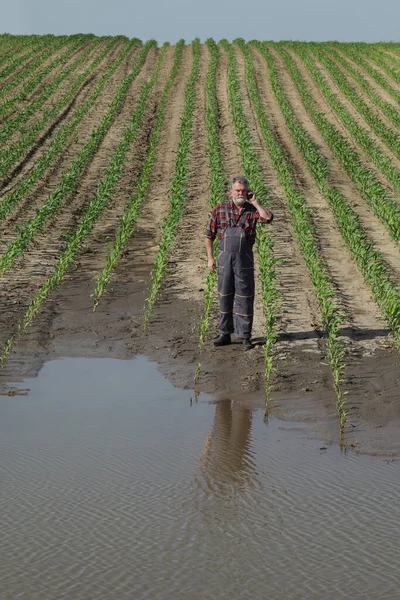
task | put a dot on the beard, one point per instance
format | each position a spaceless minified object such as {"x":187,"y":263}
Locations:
{"x":240,"y":201}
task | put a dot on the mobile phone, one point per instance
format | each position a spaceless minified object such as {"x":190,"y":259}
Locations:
{"x":249,"y":195}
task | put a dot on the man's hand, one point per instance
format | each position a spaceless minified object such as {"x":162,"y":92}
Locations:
{"x":210,"y":255}
{"x":211,"y":264}
{"x":265,"y":213}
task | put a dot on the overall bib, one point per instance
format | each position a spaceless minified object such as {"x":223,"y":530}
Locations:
{"x":236,"y":280}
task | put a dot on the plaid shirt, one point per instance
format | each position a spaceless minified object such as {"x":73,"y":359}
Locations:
{"x":226,"y":214}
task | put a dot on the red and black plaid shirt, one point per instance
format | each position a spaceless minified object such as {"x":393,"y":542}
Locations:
{"x":226,"y":214}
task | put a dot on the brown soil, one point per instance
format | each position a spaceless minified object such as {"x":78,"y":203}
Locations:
{"x":302,"y":382}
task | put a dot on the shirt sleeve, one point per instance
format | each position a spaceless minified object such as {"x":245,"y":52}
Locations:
{"x":259,"y":218}
{"x":211,"y":229}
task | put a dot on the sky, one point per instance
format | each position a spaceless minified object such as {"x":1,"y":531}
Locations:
{"x":170,"y":20}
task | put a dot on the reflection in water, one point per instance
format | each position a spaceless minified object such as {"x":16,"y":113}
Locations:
{"x":227,"y":461}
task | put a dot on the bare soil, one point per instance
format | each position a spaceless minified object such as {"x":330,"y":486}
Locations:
{"x":302,"y":387}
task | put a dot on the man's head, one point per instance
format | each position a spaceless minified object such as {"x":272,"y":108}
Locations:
{"x":238,"y":190}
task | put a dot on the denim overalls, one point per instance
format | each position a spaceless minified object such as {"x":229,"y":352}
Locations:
{"x":236,"y":279}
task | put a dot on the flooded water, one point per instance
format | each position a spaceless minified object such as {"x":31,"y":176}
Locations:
{"x":115,"y":485}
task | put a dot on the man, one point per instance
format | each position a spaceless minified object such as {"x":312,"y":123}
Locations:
{"x":234,"y":222}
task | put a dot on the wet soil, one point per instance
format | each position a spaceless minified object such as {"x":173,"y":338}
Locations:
{"x":302,"y":386}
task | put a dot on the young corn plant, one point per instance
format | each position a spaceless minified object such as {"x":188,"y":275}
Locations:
{"x":129,"y":219}
{"x":265,"y":245}
{"x":97,"y":205}
{"x":178,"y":192}
{"x":321,"y":279}
{"x":70,"y":179}
{"x":60,"y":141}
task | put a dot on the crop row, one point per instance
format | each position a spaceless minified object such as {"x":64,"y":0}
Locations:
{"x":361,"y":135}
{"x":60,"y":141}
{"x":22,"y":75}
{"x":10,"y":156}
{"x":129,"y":218}
{"x":370,"y":262}
{"x":265,"y":245}
{"x":30,"y":84}
{"x":386,"y":134}
{"x":102,"y":197}
{"x":385,"y":208}
{"x":33,"y":47}
{"x":217,"y":177}
{"x":178,"y":191}
{"x":325,"y":291}
{"x":70,"y":179}
{"x":389,"y":64}
{"x":15,"y":124}
{"x":388,"y":109}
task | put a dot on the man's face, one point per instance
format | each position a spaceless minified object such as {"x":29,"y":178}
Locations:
{"x":239,"y":193}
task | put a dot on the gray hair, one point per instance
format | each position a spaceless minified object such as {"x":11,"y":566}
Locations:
{"x":239,"y":179}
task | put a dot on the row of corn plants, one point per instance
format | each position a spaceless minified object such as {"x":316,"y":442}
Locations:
{"x":128,"y":221}
{"x":360,"y":134}
{"x":97,"y":204}
{"x":344,"y":57}
{"x":386,"y":134}
{"x":332,"y":314}
{"x":217,"y":178}
{"x":32,"y":46}
{"x":369,"y":260}
{"x":10,"y":156}
{"x":178,"y":192}
{"x":30,"y":84}
{"x":19,"y":121}
{"x":60,"y":141}
{"x":265,"y":245}
{"x":373,"y":192}
{"x":388,"y":63}
{"x":70,"y":179}
{"x":22,"y":75}
{"x":9,"y":47}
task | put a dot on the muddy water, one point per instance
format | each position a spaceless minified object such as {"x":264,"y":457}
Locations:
{"x":115,"y":485}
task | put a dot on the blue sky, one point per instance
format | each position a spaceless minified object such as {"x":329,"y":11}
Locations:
{"x":342,"y":20}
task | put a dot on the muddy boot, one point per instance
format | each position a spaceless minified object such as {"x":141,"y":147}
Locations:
{"x":247,"y":345}
{"x":224,"y":339}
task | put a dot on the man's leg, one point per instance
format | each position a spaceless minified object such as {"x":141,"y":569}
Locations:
{"x":244,"y":295}
{"x":226,"y":293}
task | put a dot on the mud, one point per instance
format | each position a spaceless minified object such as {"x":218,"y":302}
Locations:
{"x":302,"y":386}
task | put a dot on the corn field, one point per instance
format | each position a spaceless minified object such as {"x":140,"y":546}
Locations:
{"x":113,"y":153}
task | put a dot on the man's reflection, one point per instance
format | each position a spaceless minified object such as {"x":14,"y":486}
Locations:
{"x":226,"y":460}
